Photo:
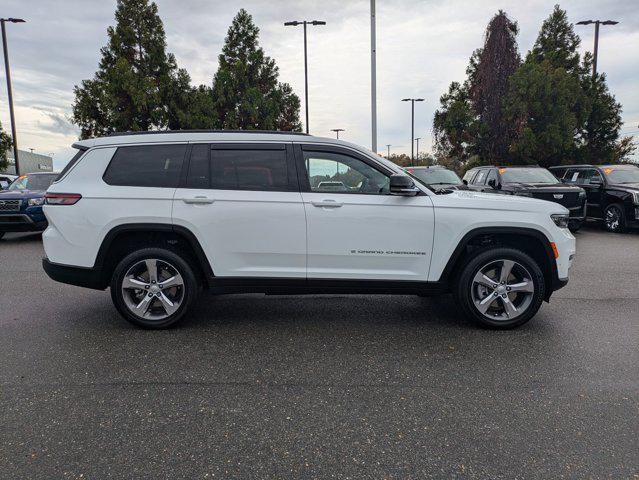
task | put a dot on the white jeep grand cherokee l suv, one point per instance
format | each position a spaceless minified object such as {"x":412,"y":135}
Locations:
{"x":157,"y":216}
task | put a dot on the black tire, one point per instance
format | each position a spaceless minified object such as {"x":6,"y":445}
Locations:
{"x":614,"y":218}
{"x":167,"y":261}
{"x":574,"y":226}
{"x":464,"y":289}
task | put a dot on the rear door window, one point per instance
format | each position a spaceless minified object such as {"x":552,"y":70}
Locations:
{"x":480,"y":178}
{"x":146,"y":166}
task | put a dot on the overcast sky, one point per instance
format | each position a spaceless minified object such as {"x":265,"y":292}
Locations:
{"x":421,"y":47}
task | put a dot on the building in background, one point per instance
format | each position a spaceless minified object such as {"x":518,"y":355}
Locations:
{"x":29,"y":163}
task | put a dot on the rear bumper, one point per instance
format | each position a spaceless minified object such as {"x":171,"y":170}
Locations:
{"x":79,"y":276}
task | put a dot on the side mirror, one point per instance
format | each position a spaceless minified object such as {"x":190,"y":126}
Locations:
{"x":402,"y":185}
{"x":465,"y":182}
{"x":492,"y":183}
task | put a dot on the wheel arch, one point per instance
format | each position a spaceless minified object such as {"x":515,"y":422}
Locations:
{"x":123,"y":239}
{"x":533,"y":242}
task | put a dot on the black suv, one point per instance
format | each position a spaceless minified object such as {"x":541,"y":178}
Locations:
{"x":437,"y":178}
{"x":530,"y":181}
{"x":613,"y":192}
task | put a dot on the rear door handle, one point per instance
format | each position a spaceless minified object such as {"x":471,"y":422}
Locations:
{"x":327,"y":204}
{"x":198,"y":199}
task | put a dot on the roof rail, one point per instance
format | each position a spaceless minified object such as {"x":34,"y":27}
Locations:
{"x":153,"y":132}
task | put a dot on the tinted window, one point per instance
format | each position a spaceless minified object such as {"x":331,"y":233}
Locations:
{"x":481,"y":176}
{"x":146,"y":166}
{"x":492,"y":176}
{"x":585,"y":177}
{"x":334,"y":172}
{"x":199,"y":167}
{"x":468,"y":176}
{"x":571,"y":175}
{"x":249,"y":169}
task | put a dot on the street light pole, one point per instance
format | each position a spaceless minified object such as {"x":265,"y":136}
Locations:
{"x":412,"y":126}
{"x":388,"y":145}
{"x":373,"y":79}
{"x":417,"y":141}
{"x":596,"y":51}
{"x":337,"y":130}
{"x":5,"y":48}
{"x":304,"y":23}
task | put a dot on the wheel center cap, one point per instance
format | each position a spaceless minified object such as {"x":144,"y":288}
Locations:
{"x":501,"y":289}
{"x":154,"y":289}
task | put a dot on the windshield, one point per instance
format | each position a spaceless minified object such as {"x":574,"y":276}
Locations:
{"x":435,"y":176}
{"x":622,"y":175}
{"x":33,"y":182}
{"x":526,"y":175}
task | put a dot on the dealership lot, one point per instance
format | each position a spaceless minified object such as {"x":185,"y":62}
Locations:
{"x":256,"y":386}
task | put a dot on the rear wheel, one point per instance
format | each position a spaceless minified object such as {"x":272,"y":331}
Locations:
{"x":500,"y":288}
{"x":614,"y":219}
{"x":153,"y":287}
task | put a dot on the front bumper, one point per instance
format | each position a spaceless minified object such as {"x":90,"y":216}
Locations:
{"x":21,"y":222}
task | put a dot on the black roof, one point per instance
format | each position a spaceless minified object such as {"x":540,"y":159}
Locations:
{"x":155,"y":132}
{"x":557,"y":167}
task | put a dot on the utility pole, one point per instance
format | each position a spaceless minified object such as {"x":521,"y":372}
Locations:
{"x":373,"y":79}
{"x":412,"y":126}
{"x":337,"y":130}
{"x":596,"y":51}
{"x":388,"y":145}
{"x":304,"y":23}
{"x":5,"y":48}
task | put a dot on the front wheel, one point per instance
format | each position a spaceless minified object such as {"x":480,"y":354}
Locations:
{"x":614,"y":219}
{"x":153,"y":287}
{"x":500,"y":288}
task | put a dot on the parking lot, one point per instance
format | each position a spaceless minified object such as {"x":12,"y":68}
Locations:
{"x":256,"y":386}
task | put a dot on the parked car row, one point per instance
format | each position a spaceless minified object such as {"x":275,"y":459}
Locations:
{"x":607,"y":193}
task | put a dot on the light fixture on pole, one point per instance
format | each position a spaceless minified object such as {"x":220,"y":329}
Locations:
{"x":304,"y":23}
{"x":597,"y":23}
{"x":412,"y":127}
{"x":5,"y":48}
{"x":337,"y":130}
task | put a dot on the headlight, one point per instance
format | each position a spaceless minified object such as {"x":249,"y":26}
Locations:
{"x":523,"y":194}
{"x":560,"y":220}
{"x":33,"y":202}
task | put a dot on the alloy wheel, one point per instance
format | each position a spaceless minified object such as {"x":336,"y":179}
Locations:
{"x":613,"y":219}
{"x":502,"y":290}
{"x":153,"y":289}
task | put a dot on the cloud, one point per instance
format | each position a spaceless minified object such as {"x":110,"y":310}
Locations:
{"x":422,"y":46}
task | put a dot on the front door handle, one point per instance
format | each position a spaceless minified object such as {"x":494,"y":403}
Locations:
{"x":327,"y":204}
{"x":198,"y":199}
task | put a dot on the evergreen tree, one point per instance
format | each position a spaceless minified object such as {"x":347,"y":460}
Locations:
{"x":136,"y":79}
{"x":246,"y":91}
{"x":498,"y":60}
{"x":600,"y":138}
{"x":5,"y":144}
{"x":546,"y":97}
{"x":455,"y":122}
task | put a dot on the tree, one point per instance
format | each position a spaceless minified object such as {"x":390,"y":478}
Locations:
{"x":454,"y":124}
{"x":545,"y":96}
{"x":600,"y":136}
{"x":246,"y":91}
{"x":137,"y":80}
{"x":498,"y":60}
{"x":5,"y":144}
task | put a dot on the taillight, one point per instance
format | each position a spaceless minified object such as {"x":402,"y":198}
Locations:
{"x":62,"y":198}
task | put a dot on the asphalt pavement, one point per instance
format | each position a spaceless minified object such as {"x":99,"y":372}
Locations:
{"x":254,"y":386}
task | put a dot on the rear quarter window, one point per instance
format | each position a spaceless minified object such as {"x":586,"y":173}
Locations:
{"x":146,"y":166}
